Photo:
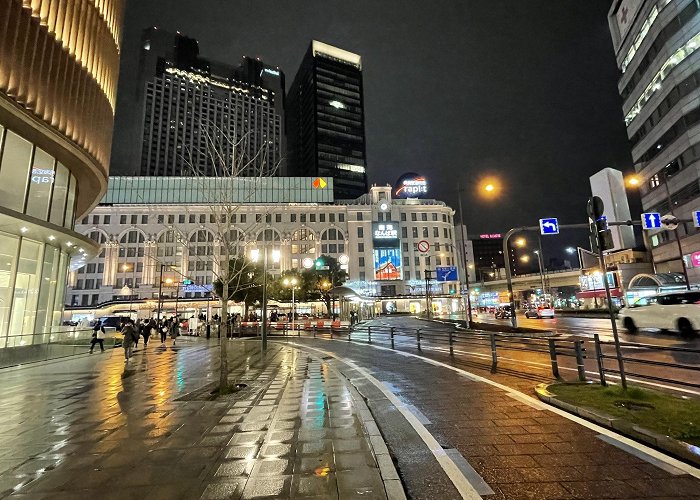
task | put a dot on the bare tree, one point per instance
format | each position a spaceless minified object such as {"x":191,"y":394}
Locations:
{"x":227,"y":171}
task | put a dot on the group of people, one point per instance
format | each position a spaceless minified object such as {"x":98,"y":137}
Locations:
{"x":132,"y":332}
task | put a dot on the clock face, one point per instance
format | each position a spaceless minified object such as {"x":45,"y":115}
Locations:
{"x":383,"y":206}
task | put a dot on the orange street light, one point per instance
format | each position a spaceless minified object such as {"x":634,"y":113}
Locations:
{"x":633,"y":181}
{"x":520,"y":242}
{"x":489,"y":187}
{"x":525,"y":258}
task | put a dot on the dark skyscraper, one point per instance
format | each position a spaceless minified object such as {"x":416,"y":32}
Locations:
{"x":190,"y":107}
{"x":325,"y":120}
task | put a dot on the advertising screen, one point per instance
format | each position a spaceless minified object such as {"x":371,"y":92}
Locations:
{"x":385,"y":234}
{"x":387,"y":264}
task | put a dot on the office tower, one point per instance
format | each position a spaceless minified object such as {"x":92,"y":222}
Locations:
{"x":326,"y":119}
{"x":205,"y":116}
{"x":58,"y":76}
{"x":656,"y":45}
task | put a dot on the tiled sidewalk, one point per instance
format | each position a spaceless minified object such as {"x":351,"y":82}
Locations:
{"x":78,"y":429}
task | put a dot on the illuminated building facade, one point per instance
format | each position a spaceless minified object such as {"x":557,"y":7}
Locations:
{"x":656,"y":45}
{"x":59,"y":63}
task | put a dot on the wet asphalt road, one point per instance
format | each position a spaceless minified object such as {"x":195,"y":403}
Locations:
{"x":644,"y":372}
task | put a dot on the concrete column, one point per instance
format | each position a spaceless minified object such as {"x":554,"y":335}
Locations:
{"x":111,"y":263}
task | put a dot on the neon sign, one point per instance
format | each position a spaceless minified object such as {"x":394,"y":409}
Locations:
{"x":411,"y":186}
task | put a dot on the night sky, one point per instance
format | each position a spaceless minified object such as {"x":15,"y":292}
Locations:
{"x":455,"y":90}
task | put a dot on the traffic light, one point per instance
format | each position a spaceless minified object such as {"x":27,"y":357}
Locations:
{"x":453,"y":290}
{"x":321,"y":264}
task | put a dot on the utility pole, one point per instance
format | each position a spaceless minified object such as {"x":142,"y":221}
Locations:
{"x":464,"y":255}
{"x":675,"y":231}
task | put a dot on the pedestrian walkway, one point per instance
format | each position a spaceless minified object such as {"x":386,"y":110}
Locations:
{"x":97,"y":427}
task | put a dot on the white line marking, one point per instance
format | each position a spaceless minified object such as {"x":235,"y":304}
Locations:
{"x":688,"y":469}
{"x":640,"y":454}
{"x":460,"y":481}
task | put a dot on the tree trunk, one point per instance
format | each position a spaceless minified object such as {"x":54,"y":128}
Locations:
{"x":223,"y":342}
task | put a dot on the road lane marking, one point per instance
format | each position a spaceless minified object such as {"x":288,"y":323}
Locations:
{"x":641,"y":455}
{"x":688,"y":469}
{"x":452,"y":470}
{"x":481,"y":486}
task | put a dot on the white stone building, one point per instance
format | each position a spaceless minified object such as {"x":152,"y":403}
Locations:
{"x":139,"y":231}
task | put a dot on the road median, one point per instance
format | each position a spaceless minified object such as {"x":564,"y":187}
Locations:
{"x":664,"y":421}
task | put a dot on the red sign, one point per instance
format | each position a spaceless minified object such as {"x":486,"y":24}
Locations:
{"x":492,"y":236}
{"x":695,"y":259}
{"x":423,"y":246}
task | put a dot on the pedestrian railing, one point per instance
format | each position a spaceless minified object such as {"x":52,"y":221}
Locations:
{"x":54,"y":344}
{"x":635,"y":356}
{"x":490,"y":346}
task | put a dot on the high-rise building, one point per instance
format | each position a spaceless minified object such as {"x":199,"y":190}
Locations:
{"x":609,"y":185}
{"x":59,"y":62}
{"x":656,"y":44}
{"x":326,"y":119}
{"x":202,"y":116}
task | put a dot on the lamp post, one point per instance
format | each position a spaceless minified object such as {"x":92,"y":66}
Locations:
{"x":463,"y":243}
{"x":255,"y":255}
{"x":292,"y":282}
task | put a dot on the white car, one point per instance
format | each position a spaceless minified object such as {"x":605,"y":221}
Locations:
{"x":540,"y":312}
{"x":678,"y":311}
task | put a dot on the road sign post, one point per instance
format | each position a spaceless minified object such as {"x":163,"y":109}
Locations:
{"x":549,"y":226}
{"x":595,"y":211}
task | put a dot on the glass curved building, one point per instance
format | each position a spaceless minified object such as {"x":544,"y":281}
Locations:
{"x":59,"y":63}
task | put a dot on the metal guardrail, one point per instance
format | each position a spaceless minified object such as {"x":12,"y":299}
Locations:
{"x":670,"y":368}
{"x":492,"y":343}
{"x":31,"y":348}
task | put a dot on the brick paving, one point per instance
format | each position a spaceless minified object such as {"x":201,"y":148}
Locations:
{"x":521,"y":451}
{"x":79,"y":429}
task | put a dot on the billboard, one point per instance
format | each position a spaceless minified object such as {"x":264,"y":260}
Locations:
{"x":446,"y":273}
{"x":410,"y":185}
{"x":385,"y":235}
{"x":387,"y":264}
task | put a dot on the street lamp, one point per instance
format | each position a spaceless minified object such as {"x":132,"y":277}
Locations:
{"x":255,"y":256}
{"x":293,"y":283}
{"x":634,"y":181}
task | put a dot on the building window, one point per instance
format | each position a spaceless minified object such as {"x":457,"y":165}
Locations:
{"x":95,"y":219}
{"x":193,"y":218}
{"x":322,"y":217}
{"x":171,"y":219}
{"x":312,"y":217}
{"x":303,"y":218}
{"x":436,"y":232}
{"x":362,"y":276}
{"x":341,"y":217}
{"x":161,"y":219}
{"x":122,"y":219}
{"x":268,"y":218}
{"x":444,"y":231}
{"x":144,"y":219}
{"x":404,"y":232}
{"x":360,"y":232}
{"x":414,"y":232}
{"x":403,"y":217}
{"x":414,"y":217}
{"x":405,"y":262}
{"x":435,"y":217}
{"x":360,"y":247}
{"x":416,"y":261}
{"x":654,"y":181}
{"x":359,"y":215}
{"x":405,"y":246}
{"x":331,"y":217}
{"x":425,"y":232}
{"x":362,"y":261}
{"x":134,"y":219}
{"x":202,"y":219}
{"x":292,"y":217}
{"x":181,"y":219}
{"x":278,"y":217}
{"x":424,"y":216}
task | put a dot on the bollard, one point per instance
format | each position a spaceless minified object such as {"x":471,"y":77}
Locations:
{"x":298,"y":330}
{"x":418,"y":338}
{"x":391,"y":333}
{"x":208,"y":330}
{"x":314,"y":330}
{"x":494,"y":354}
{"x":578,"y":348}
{"x":331,"y":331}
{"x":600,"y":359}
{"x":350,"y":333}
{"x":451,"y":344}
{"x":369,"y":334}
{"x":553,"y":358}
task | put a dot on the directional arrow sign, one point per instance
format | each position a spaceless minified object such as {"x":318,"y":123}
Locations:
{"x":651,"y":220}
{"x":696,"y":218}
{"x":549,"y":226}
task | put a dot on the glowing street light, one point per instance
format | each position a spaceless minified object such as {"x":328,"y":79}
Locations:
{"x":570,"y":250}
{"x":520,"y":242}
{"x":633,"y":181}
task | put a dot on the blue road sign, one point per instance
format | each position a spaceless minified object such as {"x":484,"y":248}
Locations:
{"x":651,"y":220}
{"x":446,"y":273}
{"x":696,"y":218}
{"x":549,"y":226}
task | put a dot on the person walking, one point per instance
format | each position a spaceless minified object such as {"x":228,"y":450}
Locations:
{"x":98,"y":337}
{"x":130,"y":336}
{"x":137,"y":329}
{"x":174,"y":327}
{"x":145,"y":331}
{"x":164,"y":327}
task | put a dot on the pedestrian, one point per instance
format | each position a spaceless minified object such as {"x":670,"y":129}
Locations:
{"x":130,"y":336}
{"x":163,"y":331}
{"x":174,"y":327}
{"x":98,"y":337}
{"x":145,"y":331}
{"x":137,"y":329}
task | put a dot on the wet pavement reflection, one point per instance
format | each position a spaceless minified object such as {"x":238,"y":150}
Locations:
{"x":96,"y":426}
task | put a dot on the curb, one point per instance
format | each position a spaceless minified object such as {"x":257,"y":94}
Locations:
{"x":533,"y":334}
{"x":679,"y":449}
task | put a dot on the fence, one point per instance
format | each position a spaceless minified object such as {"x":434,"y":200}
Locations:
{"x":31,"y":348}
